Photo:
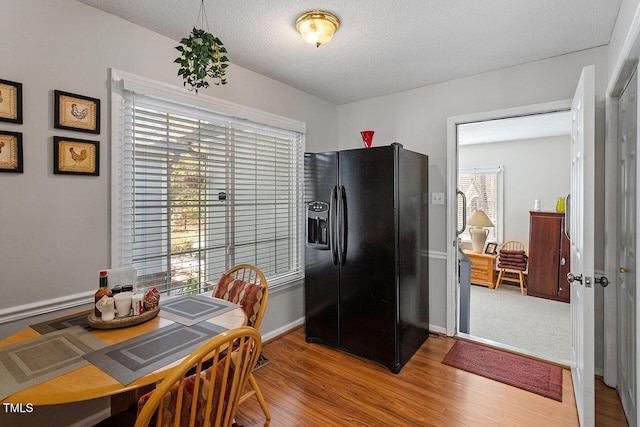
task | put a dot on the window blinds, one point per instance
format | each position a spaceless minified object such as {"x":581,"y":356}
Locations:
{"x":481,"y":189}
{"x":201,"y":192}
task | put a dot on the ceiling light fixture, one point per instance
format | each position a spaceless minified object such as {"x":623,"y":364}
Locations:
{"x":317,"y":27}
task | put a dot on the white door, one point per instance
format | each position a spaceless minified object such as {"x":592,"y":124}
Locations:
{"x":627,"y":202}
{"x":580,"y":226}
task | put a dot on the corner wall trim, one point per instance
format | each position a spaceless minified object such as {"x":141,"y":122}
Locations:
{"x":42,"y":307}
{"x":24,"y":311}
{"x":434,"y":254}
{"x":12,"y":314}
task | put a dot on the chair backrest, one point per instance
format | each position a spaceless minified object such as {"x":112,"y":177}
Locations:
{"x":210,"y":394}
{"x":514,"y":245}
{"x":254,"y":305}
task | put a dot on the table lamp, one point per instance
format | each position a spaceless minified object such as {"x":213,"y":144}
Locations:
{"x":478,"y":221}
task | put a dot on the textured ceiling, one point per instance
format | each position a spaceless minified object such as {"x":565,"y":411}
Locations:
{"x":516,"y":128}
{"x":382,"y":46}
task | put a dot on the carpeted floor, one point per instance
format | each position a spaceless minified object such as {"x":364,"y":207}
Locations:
{"x":537,"y":325}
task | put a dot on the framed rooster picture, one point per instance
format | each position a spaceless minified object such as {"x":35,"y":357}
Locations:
{"x":76,"y":112}
{"x":76,"y":156}
{"x":11,"y":152}
{"x":10,"y":101}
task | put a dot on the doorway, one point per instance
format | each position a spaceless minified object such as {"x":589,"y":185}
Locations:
{"x":627,"y":237}
{"x":453,"y":302}
{"x":508,"y":167}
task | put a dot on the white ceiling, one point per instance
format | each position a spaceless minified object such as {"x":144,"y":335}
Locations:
{"x":516,"y":128}
{"x":382,"y":46}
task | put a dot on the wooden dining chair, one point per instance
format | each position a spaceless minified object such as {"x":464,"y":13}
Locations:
{"x":512,"y":258}
{"x":210,"y":394}
{"x":246,"y":285}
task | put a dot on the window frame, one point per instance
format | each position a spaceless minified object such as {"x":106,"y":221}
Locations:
{"x":499,"y":171}
{"x":122,"y":81}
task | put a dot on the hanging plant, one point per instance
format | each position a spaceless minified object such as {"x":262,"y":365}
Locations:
{"x":202,"y":55}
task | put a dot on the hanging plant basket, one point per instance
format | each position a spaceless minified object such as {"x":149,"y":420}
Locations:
{"x":202,"y":56}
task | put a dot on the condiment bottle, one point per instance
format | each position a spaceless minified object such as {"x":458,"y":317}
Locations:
{"x":102,"y":291}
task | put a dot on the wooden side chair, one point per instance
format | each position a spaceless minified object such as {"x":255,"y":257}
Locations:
{"x":210,"y":394}
{"x":246,"y":285}
{"x":512,"y":258}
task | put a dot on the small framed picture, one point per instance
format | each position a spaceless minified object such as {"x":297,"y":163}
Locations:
{"x":11,"y":152}
{"x":76,"y":156}
{"x":491,"y":248}
{"x":76,"y":112}
{"x":10,"y":101}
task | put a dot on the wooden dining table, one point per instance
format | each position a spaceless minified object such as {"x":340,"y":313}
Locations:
{"x":90,"y":382}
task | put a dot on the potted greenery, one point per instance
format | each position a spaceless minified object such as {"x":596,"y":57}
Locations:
{"x":201,"y":56}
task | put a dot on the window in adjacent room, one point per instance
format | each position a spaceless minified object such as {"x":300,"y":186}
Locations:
{"x":198,"y":192}
{"x":483,"y":189}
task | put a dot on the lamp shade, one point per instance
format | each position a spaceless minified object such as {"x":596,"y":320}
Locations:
{"x":479,"y":219}
{"x":317,"y":27}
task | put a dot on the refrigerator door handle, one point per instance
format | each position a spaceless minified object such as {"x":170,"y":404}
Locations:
{"x":464,"y":215}
{"x":332,"y":226}
{"x":342,"y":222}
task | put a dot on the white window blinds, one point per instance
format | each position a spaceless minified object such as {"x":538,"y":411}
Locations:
{"x":483,"y":191}
{"x":201,"y":192}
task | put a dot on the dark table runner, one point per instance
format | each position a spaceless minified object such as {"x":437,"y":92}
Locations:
{"x":192,"y":309}
{"x":36,"y":360}
{"x":137,"y":357}
{"x":60,"y":323}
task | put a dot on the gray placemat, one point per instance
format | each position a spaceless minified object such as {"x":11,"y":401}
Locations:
{"x":137,"y":357}
{"x":192,"y":309}
{"x":75,"y":319}
{"x":34,"y":361}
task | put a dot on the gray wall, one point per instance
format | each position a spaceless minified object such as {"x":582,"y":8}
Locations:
{"x":58,"y":226}
{"x":533,"y":169}
{"x":418,"y":119}
{"x":55,"y":228}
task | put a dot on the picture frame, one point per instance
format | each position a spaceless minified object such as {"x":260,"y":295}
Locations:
{"x":76,"y":112}
{"x":491,"y":249}
{"x":10,"y":101}
{"x":76,"y":156}
{"x":11,"y":152}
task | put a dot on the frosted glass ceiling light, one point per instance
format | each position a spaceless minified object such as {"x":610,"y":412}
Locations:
{"x":317,"y":27}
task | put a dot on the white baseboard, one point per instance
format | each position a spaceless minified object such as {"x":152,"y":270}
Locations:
{"x":437,"y":329}
{"x":286,"y":328}
{"x":93,"y":419}
{"x":282,"y":330}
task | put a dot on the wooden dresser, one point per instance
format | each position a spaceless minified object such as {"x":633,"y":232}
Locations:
{"x":548,"y":257}
{"x":483,"y":269}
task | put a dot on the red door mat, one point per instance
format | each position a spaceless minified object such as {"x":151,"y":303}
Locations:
{"x":532,"y":375}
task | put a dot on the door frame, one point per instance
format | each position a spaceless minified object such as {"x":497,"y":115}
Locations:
{"x":453,"y":308}
{"x":621,"y":72}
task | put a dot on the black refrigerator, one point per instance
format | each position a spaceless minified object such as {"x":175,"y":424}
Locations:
{"x":366,"y":286}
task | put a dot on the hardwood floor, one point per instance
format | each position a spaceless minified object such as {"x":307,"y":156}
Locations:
{"x":313,"y":385}
{"x":609,"y":410}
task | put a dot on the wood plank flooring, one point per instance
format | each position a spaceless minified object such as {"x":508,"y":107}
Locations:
{"x":313,"y":385}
